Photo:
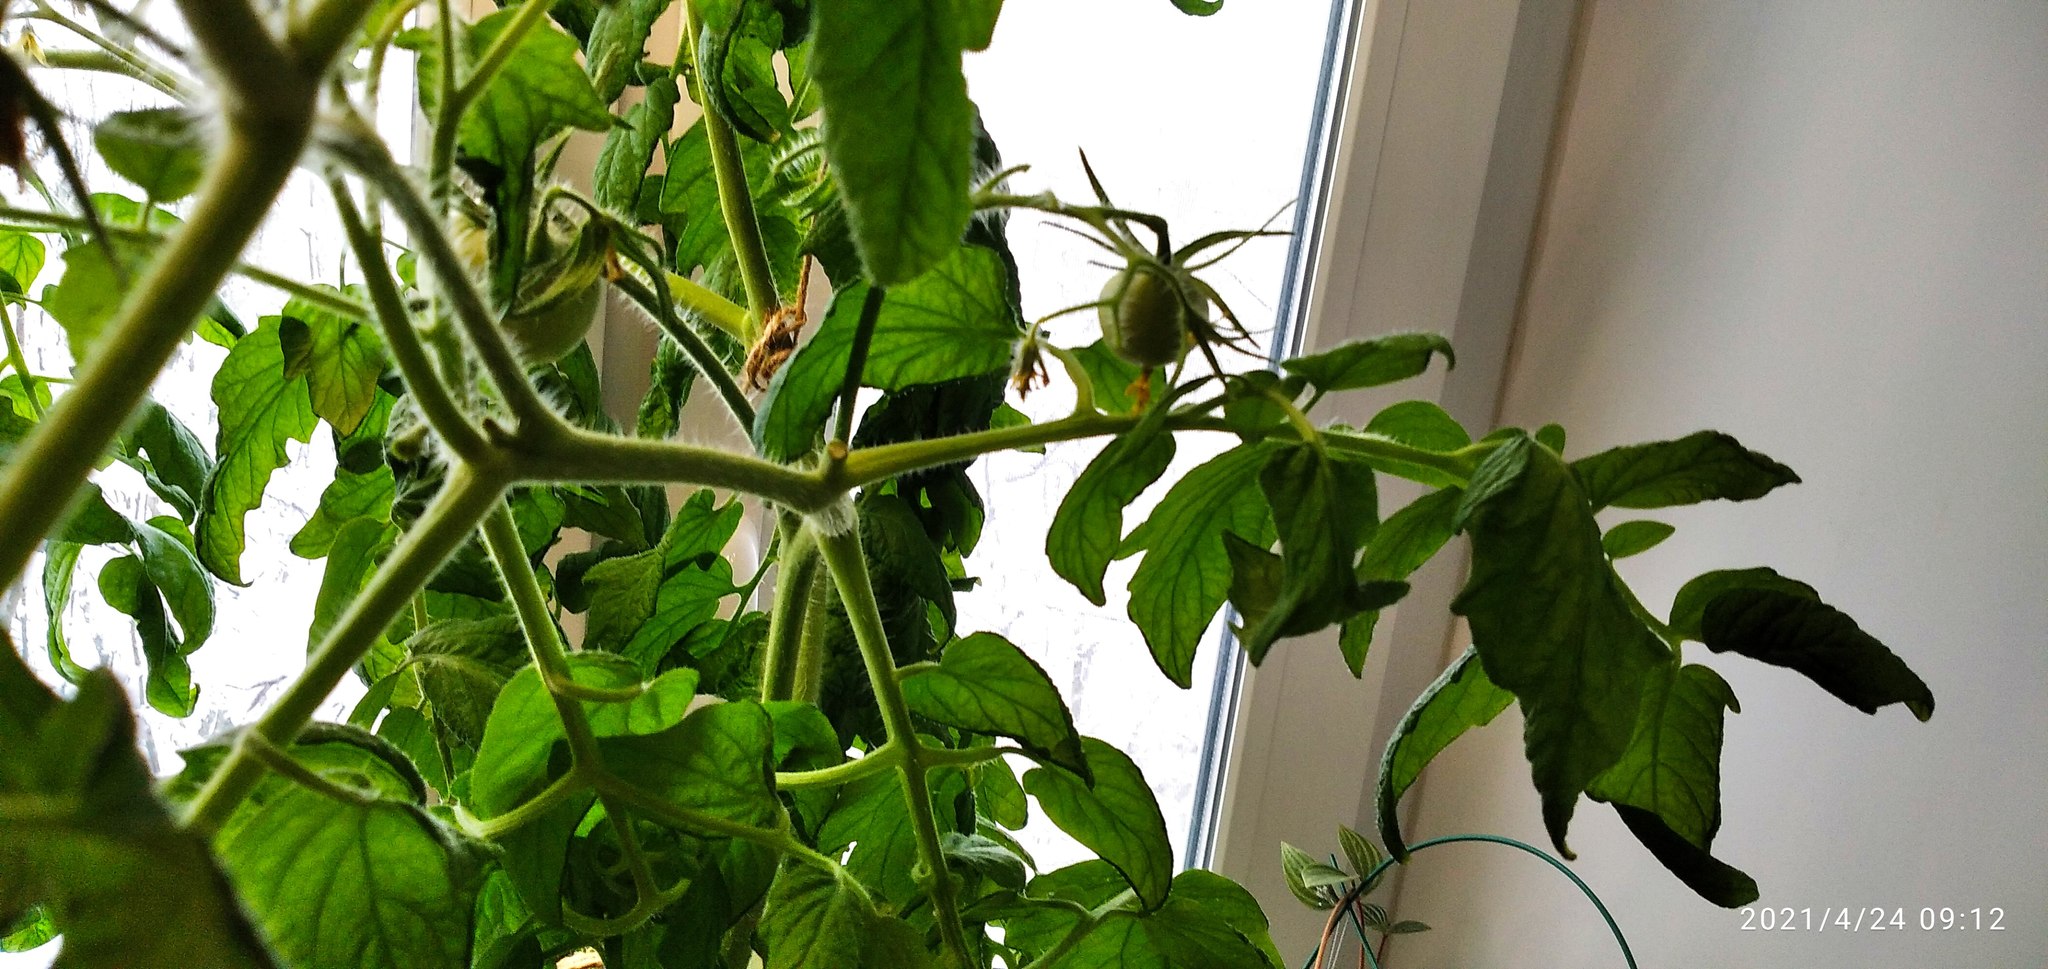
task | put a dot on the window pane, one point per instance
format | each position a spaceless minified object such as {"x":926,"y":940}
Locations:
{"x":1205,"y":121}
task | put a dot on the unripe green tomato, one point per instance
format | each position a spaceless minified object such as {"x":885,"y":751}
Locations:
{"x":561,"y":294}
{"x":549,"y":331}
{"x":1145,"y":315}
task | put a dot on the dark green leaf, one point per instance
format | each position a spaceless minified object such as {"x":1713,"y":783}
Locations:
{"x":126,"y":587}
{"x":1370,"y":363}
{"x":1117,"y":818}
{"x":1552,"y":436}
{"x":1460,"y":699}
{"x":520,"y":736}
{"x":94,"y":522}
{"x":872,"y":818}
{"x":977,"y":21}
{"x":1712,"y":879}
{"x":1673,"y":765}
{"x":736,"y":45}
{"x":1198,"y":8}
{"x":161,"y":150}
{"x":1698,"y":467}
{"x":380,"y":885}
{"x":172,"y":461}
{"x":1295,"y":867}
{"x":1402,"y":543}
{"x":1689,"y":607}
{"x":954,"y":321}
{"x":122,"y":882}
{"x":985,"y":684}
{"x":541,"y":91}
{"x":1185,"y":575}
{"x":1553,"y":626}
{"x":986,"y":857}
{"x":1812,"y":637}
{"x":716,"y":762}
{"x":814,"y":919}
{"x":690,"y":190}
{"x":169,"y":563}
{"x":642,"y":605}
{"x":60,"y":561}
{"x":260,"y":409}
{"x":1325,"y":506}
{"x":899,"y":130}
{"x":1089,"y":525}
{"x":1634,"y":538}
{"x":1208,"y":922}
{"x":629,"y":149}
{"x":999,"y":797}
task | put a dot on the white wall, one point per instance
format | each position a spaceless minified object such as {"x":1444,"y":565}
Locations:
{"x":1823,"y":227}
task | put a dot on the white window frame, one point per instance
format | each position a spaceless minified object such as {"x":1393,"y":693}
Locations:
{"x":1431,"y":180}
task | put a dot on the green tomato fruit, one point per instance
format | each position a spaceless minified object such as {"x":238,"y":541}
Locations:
{"x":560,"y":296}
{"x":1146,"y":315}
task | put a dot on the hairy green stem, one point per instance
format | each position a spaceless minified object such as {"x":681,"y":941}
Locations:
{"x":543,"y":640}
{"x":849,"y":567}
{"x":360,"y":148}
{"x":857,"y":363}
{"x":576,"y":455}
{"x":457,"y":98}
{"x":700,"y":353}
{"x":886,"y":757}
{"x":531,"y":810}
{"x":468,"y":495}
{"x":735,"y":197}
{"x":137,"y":65}
{"x":19,"y":362}
{"x":280,"y":760}
{"x":253,"y":162}
{"x":421,"y":380}
{"x":701,"y":300}
{"x":810,"y":652}
{"x":797,"y":574}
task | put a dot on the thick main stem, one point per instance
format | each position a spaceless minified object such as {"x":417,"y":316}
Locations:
{"x":850,"y":572}
{"x":447,"y":523}
{"x":797,"y":573}
{"x":253,"y":162}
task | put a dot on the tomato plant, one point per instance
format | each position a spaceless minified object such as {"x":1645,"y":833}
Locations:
{"x":817,"y":770}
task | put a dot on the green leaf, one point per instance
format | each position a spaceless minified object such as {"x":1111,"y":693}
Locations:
{"x":1402,"y":543}
{"x":1689,"y":607}
{"x":1208,"y":922}
{"x":94,"y":522}
{"x":1295,"y":866}
{"x":1634,"y":538}
{"x":60,"y":562}
{"x":689,"y":190}
{"x":977,"y":21}
{"x":85,"y":297}
{"x":515,"y":758}
{"x":871,"y":816}
{"x":1325,"y":506}
{"x":541,"y":91}
{"x":1362,"y":853}
{"x":358,"y":546}
{"x":341,"y":359}
{"x":462,"y":689}
{"x":1818,"y":640}
{"x":348,"y":498}
{"x":1461,"y":698}
{"x":126,"y":586}
{"x":1113,"y":377}
{"x":618,"y":41}
{"x":736,"y":45}
{"x":899,"y":130}
{"x":168,"y":561}
{"x":999,"y":797}
{"x":1117,"y":817}
{"x":629,"y":149}
{"x":1706,"y":875}
{"x":1089,"y":524}
{"x":954,"y":321}
{"x":985,"y":684}
{"x":1185,"y":575}
{"x":161,"y":150}
{"x":1370,"y":363}
{"x":642,"y":605}
{"x":1698,"y":467}
{"x":1673,"y":765}
{"x":21,"y":260}
{"x":261,"y":408}
{"x":985,"y":857}
{"x":814,"y":919}
{"x":1420,"y":423}
{"x":1553,"y":626}
{"x":122,"y":882}
{"x":381,"y":885}
{"x":31,"y":931}
{"x":172,"y":461}
{"x":718,"y":761}
{"x":1198,"y":8}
